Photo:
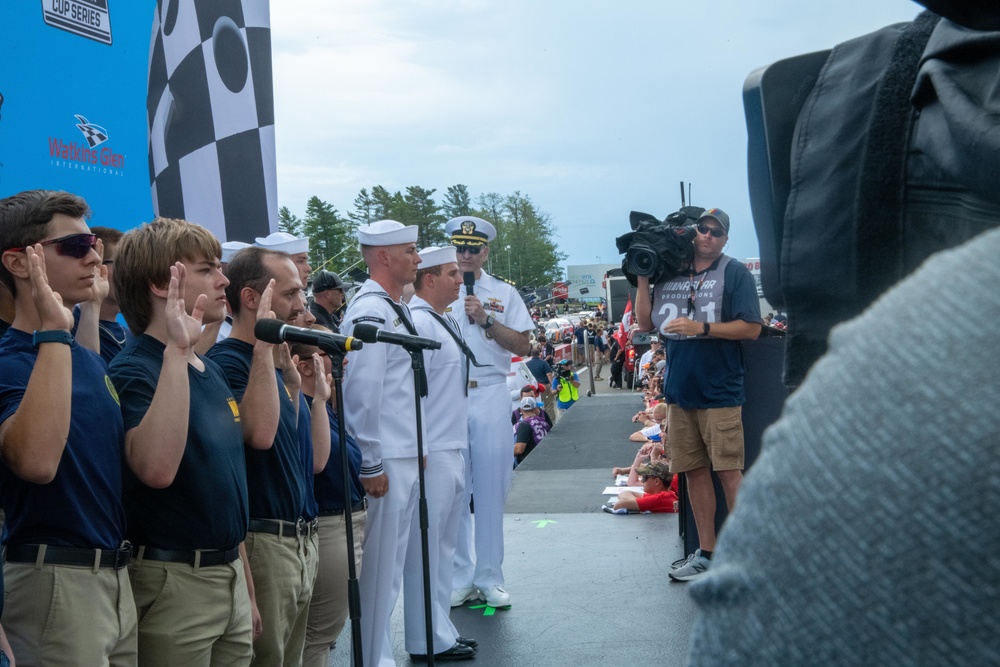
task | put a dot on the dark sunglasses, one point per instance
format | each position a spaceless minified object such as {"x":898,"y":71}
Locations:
{"x":472,"y":250}
{"x":74,"y":245}
{"x":714,"y":231}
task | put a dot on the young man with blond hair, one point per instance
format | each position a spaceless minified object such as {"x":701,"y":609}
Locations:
{"x":185,"y":479}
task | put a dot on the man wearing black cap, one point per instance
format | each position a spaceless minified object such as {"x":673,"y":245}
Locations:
{"x":328,"y":299}
{"x":703,"y":317}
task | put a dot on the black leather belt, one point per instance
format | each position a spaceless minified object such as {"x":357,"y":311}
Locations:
{"x":199,"y":558}
{"x":284,"y":528}
{"x":356,"y":507}
{"x":28,"y":553}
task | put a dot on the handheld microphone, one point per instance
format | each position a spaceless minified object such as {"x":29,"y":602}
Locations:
{"x":276,"y":331}
{"x":469,"y":278}
{"x":370,"y":333}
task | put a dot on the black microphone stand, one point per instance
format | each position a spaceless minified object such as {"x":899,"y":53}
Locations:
{"x":336,"y":354}
{"x":417,"y":363}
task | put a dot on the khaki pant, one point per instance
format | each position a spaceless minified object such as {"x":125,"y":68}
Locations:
{"x":188,"y":616}
{"x":328,"y":610}
{"x":58,"y":615}
{"x":284,"y":572}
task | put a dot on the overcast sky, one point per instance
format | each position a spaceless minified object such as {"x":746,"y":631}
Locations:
{"x":592,"y":109}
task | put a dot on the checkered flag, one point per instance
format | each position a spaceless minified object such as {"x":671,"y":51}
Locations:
{"x":210,"y":111}
{"x":94,"y":134}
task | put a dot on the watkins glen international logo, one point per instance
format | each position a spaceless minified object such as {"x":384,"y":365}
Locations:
{"x":94,"y":134}
{"x":89,"y":153}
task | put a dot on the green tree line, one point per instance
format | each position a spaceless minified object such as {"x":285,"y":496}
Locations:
{"x":524,"y":252}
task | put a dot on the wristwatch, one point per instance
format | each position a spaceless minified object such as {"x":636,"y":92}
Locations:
{"x":52,"y":336}
{"x":705,"y":330}
{"x":489,"y":321}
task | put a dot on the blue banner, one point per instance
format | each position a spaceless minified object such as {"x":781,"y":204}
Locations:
{"x":142,"y":108}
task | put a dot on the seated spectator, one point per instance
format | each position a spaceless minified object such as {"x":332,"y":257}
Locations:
{"x":651,"y":451}
{"x":531,"y":428}
{"x":651,"y":427}
{"x":658,"y":490}
{"x":530,"y":392}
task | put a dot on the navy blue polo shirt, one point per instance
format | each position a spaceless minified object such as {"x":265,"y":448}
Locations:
{"x":82,"y":505}
{"x":708,"y":373}
{"x":206,"y":505}
{"x":275,"y":478}
{"x":309,"y":509}
{"x":329,"y":484}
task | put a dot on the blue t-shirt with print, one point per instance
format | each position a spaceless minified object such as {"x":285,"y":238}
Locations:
{"x":275,"y":477}
{"x":82,"y":506}
{"x":708,"y":373}
{"x":206,"y":505}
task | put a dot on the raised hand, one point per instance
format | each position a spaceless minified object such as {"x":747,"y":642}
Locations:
{"x":322,"y":392}
{"x":52,"y":314}
{"x":183,"y":330}
{"x":289,"y":367}
{"x":264,"y":305}
{"x":99,"y":292}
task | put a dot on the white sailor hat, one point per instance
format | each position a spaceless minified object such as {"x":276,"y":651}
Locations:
{"x":467,"y":230}
{"x":436,"y":256}
{"x":386,"y":232}
{"x":284,"y":242}
{"x":229,"y":249}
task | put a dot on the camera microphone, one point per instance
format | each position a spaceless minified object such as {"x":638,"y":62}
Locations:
{"x":469,"y":278}
{"x":276,"y":332}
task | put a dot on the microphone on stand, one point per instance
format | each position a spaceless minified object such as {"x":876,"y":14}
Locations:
{"x":276,"y":331}
{"x":369,"y":333}
{"x":469,"y":278}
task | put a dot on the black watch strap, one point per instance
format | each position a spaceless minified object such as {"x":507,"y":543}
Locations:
{"x":52,"y":336}
{"x":705,"y":330}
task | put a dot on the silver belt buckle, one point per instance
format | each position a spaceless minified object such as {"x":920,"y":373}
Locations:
{"x":473,"y":384}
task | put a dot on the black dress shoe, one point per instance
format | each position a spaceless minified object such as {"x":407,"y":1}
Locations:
{"x":467,"y":641}
{"x":456,"y":652}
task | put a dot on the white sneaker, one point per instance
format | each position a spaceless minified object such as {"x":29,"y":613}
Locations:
{"x":496,"y":596}
{"x":460,"y":596}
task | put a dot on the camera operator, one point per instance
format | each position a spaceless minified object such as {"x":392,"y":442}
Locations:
{"x":566,"y":385}
{"x":703,"y":317}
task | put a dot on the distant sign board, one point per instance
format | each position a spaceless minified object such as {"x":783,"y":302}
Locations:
{"x":560,"y":291}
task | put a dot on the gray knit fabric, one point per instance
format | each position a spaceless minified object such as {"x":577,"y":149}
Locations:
{"x":868,"y":531}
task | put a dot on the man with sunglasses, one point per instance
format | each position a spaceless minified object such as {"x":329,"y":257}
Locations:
{"x":61,"y":439}
{"x":495,"y":324}
{"x":703,"y":317}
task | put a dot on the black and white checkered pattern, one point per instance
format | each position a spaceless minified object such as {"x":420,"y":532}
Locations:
{"x":94,"y":134}
{"x":210,"y":111}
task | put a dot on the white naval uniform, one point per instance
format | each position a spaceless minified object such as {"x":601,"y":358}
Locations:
{"x":446,"y":444}
{"x":380,"y":414}
{"x":491,"y":445}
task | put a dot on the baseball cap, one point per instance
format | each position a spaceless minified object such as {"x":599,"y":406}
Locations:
{"x":528,"y":403}
{"x":718,"y":215}
{"x":659,"y":468}
{"x":327,"y":280}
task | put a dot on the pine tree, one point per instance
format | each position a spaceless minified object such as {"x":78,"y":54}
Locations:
{"x":288,"y":222}
{"x":456,"y":202}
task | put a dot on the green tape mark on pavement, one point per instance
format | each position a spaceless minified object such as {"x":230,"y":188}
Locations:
{"x":541,"y":523}
{"x":488,"y":610}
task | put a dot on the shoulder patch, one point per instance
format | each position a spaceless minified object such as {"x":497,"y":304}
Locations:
{"x":368,"y":318}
